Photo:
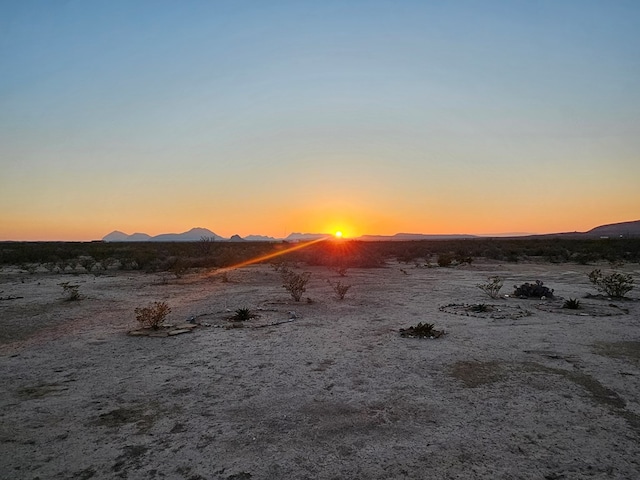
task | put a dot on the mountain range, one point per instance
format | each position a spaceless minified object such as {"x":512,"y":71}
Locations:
{"x":623,"y":229}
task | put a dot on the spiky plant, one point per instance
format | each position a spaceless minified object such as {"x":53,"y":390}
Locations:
{"x":480,"y":308}
{"x":243,"y":314}
{"x":572,"y":304}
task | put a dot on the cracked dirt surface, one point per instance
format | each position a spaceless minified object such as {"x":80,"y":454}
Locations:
{"x":335,"y":393}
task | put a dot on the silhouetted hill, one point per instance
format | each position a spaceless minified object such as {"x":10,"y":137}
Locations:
{"x":193,"y":235}
{"x":624,"y":229}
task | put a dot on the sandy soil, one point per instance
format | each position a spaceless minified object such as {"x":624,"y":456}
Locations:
{"x":526,"y":391}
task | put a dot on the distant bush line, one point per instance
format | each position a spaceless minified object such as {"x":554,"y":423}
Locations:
{"x":161,"y":256}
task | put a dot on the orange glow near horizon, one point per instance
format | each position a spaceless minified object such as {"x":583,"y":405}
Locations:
{"x":264,"y":257}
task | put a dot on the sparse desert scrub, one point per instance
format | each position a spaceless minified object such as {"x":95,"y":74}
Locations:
{"x":615,"y":285}
{"x":340,"y":288}
{"x":71,"y":292}
{"x":152,"y":315}
{"x":445,"y":260}
{"x":492,"y":287}
{"x":87,"y":263}
{"x":295,"y":283}
{"x":532,"y":290}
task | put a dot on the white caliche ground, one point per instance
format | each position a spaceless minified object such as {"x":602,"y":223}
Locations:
{"x":334,"y":394}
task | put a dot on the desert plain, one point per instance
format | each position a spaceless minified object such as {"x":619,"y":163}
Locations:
{"x":322,"y":388}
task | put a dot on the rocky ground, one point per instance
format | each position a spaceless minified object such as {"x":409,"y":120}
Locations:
{"x":323,"y":388}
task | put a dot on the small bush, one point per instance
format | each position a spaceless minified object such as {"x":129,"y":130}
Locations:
{"x":533,"y":290}
{"x":341,"y":270}
{"x":295,"y":283}
{"x":243,"y":314}
{"x":445,"y":260}
{"x":492,"y":287}
{"x":340,"y":288}
{"x":572,"y":304}
{"x":87,"y":263}
{"x":421,"y":330}
{"x":615,"y":285}
{"x":70,"y":292}
{"x":153,"y":315}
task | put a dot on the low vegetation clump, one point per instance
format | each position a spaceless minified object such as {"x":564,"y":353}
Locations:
{"x":295,"y":283}
{"x":615,"y":285}
{"x":243,"y":314}
{"x":340,"y":288}
{"x":533,"y":290}
{"x":71,"y":292}
{"x":153,"y":315}
{"x":572,"y":304}
{"x":421,"y":330}
{"x":445,"y":260}
{"x":492,"y":287}
{"x":480,"y":308}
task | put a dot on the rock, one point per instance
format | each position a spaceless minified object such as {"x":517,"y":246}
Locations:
{"x":179,"y":331}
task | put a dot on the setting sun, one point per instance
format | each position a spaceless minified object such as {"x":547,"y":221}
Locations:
{"x":338,"y":234}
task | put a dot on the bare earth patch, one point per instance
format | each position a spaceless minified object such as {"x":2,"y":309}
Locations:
{"x":319,"y":389}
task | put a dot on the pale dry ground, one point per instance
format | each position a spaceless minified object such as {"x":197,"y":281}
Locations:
{"x":335,"y":394}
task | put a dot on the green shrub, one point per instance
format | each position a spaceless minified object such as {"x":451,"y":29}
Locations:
{"x":615,"y":285}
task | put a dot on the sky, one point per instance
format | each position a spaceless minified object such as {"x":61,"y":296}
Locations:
{"x":271,"y":117}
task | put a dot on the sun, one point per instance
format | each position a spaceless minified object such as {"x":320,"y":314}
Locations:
{"x":338,"y":234}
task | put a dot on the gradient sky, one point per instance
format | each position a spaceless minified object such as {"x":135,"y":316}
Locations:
{"x":272,"y":117}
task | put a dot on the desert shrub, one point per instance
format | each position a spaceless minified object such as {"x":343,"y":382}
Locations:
{"x":340,"y":288}
{"x":445,"y":259}
{"x":178,"y":266}
{"x":50,"y":266}
{"x":615,"y":285}
{"x":463,"y":257}
{"x":295,"y":283}
{"x":571,"y":304}
{"x":421,"y":330}
{"x":340,"y":270}
{"x":243,"y":314}
{"x":492,"y":287}
{"x":71,"y":292}
{"x":205,"y":244}
{"x":30,"y":267}
{"x":152,"y":315}
{"x":87,"y":263}
{"x":533,"y":290}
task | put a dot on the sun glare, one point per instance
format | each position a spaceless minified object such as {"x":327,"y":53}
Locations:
{"x":338,"y":234}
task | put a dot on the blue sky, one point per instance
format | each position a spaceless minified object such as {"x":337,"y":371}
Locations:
{"x":272,"y":117}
